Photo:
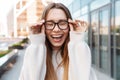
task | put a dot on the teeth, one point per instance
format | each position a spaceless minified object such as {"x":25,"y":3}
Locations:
{"x":56,"y":36}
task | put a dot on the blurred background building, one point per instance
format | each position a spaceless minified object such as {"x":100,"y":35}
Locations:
{"x":103,"y":33}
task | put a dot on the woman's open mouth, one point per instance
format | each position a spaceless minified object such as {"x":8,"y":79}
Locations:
{"x":57,"y":38}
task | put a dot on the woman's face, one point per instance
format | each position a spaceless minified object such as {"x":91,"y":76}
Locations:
{"x":56,"y":36}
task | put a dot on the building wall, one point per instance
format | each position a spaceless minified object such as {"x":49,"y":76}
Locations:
{"x":103,"y":33}
{"x":29,"y":16}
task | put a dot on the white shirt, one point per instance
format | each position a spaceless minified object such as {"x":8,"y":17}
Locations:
{"x":56,"y":60}
{"x":34,"y":65}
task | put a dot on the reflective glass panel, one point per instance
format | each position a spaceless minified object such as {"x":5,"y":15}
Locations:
{"x":95,"y":37}
{"x":98,"y":3}
{"x":104,"y":26}
{"x":117,"y":35}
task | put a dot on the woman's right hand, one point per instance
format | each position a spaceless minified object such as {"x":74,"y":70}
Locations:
{"x":37,"y":28}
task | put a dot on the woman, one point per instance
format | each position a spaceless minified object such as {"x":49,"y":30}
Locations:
{"x":57,"y":50}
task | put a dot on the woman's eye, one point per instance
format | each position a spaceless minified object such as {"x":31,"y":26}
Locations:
{"x":49,"y":24}
{"x":62,"y":23}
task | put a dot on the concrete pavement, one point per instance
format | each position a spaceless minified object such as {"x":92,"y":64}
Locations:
{"x":102,"y":76}
{"x":14,"y":72}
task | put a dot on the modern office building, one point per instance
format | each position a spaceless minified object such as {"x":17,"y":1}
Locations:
{"x":103,"y":33}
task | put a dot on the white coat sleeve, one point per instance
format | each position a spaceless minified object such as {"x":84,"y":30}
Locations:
{"x":79,"y":57}
{"x":34,"y":64}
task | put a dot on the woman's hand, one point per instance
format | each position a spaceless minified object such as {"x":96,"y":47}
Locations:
{"x":37,"y":28}
{"x":78,"y":25}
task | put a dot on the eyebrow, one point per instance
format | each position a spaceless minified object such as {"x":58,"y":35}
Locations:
{"x":56,"y":21}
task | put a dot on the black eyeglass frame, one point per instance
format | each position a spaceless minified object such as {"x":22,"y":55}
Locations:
{"x":56,"y":23}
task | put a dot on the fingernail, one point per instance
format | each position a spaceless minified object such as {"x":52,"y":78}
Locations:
{"x":41,"y":21}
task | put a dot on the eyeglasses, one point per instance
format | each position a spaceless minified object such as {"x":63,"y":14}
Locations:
{"x":62,"y":24}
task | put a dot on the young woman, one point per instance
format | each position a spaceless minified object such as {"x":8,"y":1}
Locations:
{"x":57,"y":50}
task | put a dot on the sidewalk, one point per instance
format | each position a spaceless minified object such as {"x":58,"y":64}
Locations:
{"x":13,"y":74}
{"x":102,"y":76}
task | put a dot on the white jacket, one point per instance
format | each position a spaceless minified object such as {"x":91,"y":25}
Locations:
{"x":34,"y":65}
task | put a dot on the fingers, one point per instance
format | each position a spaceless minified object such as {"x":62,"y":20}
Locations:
{"x":42,"y":29}
{"x":78,"y":25}
{"x":37,"y":28}
{"x":75,"y":25}
{"x":71,"y":25}
{"x":82,"y":23}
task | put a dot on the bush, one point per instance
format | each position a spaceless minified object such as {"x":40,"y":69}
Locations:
{"x":16,"y":46}
{"x":4,"y":52}
{"x":19,"y":45}
{"x":25,"y":40}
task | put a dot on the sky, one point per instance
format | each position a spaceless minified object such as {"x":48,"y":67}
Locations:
{"x":5,"y":6}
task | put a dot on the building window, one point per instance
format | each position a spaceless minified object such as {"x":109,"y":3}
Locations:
{"x":95,"y":37}
{"x":85,"y":18}
{"x":117,"y":35}
{"x":98,"y":3}
{"x":100,"y":26}
{"x":104,"y":40}
{"x":76,"y":5}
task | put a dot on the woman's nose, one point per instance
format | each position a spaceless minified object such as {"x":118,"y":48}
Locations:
{"x":56,"y":28}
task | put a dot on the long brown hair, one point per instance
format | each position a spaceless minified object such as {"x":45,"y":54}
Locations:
{"x":50,"y":73}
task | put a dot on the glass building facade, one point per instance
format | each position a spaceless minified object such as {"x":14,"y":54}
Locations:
{"x":103,"y":33}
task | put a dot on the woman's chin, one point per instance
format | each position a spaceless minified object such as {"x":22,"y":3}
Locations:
{"x":57,"y":46}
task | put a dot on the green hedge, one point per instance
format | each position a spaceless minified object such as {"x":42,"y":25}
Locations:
{"x":19,"y":45}
{"x":4,"y":52}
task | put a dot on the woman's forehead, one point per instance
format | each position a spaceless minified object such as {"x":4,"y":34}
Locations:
{"x":56,"y":14}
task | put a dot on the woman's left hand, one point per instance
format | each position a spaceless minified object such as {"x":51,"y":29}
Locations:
{"x":78,"y":25}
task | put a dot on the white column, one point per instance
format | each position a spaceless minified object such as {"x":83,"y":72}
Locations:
{"x":15,"y":22}
{"x":3,"y":25}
